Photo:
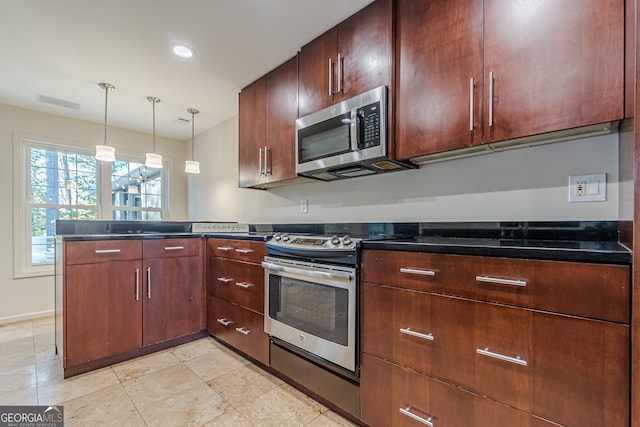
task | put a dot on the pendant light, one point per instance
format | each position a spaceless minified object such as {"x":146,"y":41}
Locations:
{"x":104,"y":152}
{"x":191,"y":166}
{"x":153,"y":160}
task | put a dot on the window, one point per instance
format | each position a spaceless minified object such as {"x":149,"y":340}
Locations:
{"x":63,"y":182}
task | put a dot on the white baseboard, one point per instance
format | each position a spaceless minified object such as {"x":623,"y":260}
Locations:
{"x":26,"y":316}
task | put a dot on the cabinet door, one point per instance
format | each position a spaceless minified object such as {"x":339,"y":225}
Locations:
{"x":555,"y":64}
{"x":365,"y":48}
{"x":316,"y":75}
{"x":251,"y":136}
{"x":439,"y":85}
{"x":103,"y":310}
{"x":281,"y":113}
{"x":173,"y":298}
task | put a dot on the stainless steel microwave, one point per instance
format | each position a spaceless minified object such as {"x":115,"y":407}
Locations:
{"x":346,"y":140}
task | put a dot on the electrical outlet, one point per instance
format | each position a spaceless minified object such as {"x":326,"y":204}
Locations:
{"x":304,"y":206}
{"x":588,"y":188}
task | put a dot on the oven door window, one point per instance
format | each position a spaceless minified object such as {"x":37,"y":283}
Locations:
{"x":320,"y":310}
{"x":325,"y":139}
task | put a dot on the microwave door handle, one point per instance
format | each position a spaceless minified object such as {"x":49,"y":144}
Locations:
{"x":354,"y":131}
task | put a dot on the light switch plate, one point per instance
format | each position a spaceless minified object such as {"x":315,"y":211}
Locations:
{"x":588,"y":188}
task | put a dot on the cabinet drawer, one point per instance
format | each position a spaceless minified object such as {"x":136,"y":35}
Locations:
{"x":566,"y":369}
{"x":394,"y":396}
{"x":582,"y":289}
{"x":238,"y":282}
{"x":164,"y":248}
{"x":89,"y":252}
{"x":239,"y":327}
{"x":244,"y":250}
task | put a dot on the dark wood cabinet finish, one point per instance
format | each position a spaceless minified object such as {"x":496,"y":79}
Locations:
{"x":439,"y":57}
{"x":238,"y":327}
{"x":386,"y":389}
{"x":555,"y":65}
{"x":235,"y":294}
{"x":536,"y":68}
{"x":251,"y":135}
{"x":102,"y":316}
{"x":173,"y":289}
{"x":525,"y":351}
{"x":121,"y":297}
{"x":351,"y":58}
{"x":591,"y":290}
{"x":268,"y":109}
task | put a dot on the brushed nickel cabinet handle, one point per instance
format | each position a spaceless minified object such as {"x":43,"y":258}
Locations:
{"x":407,"y":411}
{"x":471,"y":105}
{"x":244,"y":285}
{"x":418,"y":271}
{"x":491,"y":99}
{"x":409,"y":331}
{"x":339,"y":73}
{"x":173,"y":248}
{"x":224,"y":248}
{"x":517,"y":360}
{"x":243,"y":331}
{"x":148,"y":282}
{"x":224,"y":279}
{"x":137,"y":284}
{"x":259,"y":163}
{"x":244,"y":251}
{"x":107,"y":251}
{"x":499,"y":281}
{"x":224,"y":322}
{"x":330,"y":78}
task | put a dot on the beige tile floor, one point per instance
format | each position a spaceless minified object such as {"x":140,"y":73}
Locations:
{"x":195,"y":384}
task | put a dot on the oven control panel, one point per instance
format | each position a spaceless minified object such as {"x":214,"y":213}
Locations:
{"x":314,"y":242}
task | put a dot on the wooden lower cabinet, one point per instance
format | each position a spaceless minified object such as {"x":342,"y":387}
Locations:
{"x":239,"y":327}
{"x":240,"y":282}
{"x":102,"y":315}
{"x":570,"y":370}
{"x":395,"y":396}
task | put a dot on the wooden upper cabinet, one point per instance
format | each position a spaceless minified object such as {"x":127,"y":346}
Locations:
{"x":251,"y":136}
{"x":556,"y":65}
{"x":537,"y":67}
{"x":268,"y":111}
{"x":439,"y":85}
{"x":351,"y":58}
{"x":281,"y":113}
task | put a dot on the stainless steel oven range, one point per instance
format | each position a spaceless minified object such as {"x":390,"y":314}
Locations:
{"x":311,"y":313}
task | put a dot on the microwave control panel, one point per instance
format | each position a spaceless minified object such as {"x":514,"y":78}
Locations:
{"x":368,"y":122}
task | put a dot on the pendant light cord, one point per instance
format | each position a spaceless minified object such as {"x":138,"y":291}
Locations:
{"x":154,"y":124}
{"x":106,"y":95}
{"x":193,"y":126}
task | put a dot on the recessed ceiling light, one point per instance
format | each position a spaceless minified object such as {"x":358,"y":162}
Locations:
{"x":182,"y":51}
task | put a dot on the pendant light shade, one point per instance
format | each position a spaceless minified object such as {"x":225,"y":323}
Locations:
{"x":191,"y":166}
{"x":104,"y":152}
{"x":153,"y":160}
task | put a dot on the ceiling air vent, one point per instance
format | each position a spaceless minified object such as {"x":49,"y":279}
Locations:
{"x":59,"y":102}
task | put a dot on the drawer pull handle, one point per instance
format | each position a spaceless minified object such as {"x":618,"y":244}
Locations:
{"x":416,"y":271}
{"x":107,"y":251}
{"x":516,"y":360}
{"x":173,"y":248}
{"x":408,"y":331}
{"x":498,"y":281}
{"x":243,"y":331}
{"x":244,"y":251}
{"x":224,"y":279}
{"x":407,"y":411}
{"x":225,"y":248}
{"x":244,"y":285}
{"x":224,"y":322}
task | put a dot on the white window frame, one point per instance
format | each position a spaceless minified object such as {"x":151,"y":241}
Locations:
{"x":22,"y":143}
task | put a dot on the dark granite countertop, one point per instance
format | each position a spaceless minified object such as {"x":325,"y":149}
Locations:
{"x":583,"y":251}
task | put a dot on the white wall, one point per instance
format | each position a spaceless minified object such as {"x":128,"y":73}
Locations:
{"x":24,"y":298}
{"x":517,"y":185}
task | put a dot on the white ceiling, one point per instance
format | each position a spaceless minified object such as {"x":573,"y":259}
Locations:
{"x":62,"y":49}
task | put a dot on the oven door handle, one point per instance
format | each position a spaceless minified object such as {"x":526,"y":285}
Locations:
{"x":345,"y":277}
